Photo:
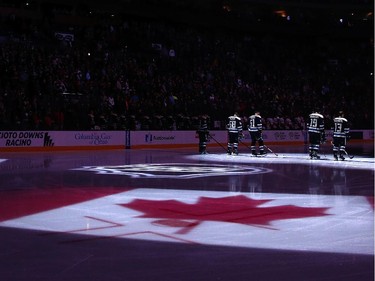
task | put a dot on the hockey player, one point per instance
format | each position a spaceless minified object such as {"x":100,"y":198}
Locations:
{"x":316,"y":132}
{"x":203,"y":133}
{"x":234,"y":128}
{"x":340,"y":136}
{"x":255,"y":129}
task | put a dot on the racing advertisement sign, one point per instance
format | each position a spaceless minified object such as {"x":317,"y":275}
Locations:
{"x":61,"y":139}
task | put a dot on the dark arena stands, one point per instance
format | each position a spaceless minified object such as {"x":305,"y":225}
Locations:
{"x":128,"y":64}
{"x":110,"y":169}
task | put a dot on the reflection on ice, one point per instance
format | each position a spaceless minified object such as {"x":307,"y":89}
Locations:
{"x":363,"y":163}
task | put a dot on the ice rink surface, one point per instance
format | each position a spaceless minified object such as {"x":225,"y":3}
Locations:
{"x":178,"y":215}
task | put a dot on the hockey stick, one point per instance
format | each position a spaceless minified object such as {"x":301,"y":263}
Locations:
{"x":263,"y":145}
{"x":246,"y":146}
{"x":325,"y":157}
{"x":270,"y":150}
{"x":218,"y":142}
{"x":350,"y":156}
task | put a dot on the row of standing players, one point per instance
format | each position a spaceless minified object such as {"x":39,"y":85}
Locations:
{"x":315,"y":128}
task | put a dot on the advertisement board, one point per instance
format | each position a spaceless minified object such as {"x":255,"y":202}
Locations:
{"x":47,"y":140}
{"x":76,"y":140}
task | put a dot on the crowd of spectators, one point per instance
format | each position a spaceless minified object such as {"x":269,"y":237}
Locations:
{"x":133,"y":73}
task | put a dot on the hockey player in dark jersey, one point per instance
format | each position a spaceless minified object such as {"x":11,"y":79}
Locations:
{"x":255,"y":129}
{"x":203,"y":133}
{"x":316,"y":132}
{"x":234,"y":128}
{"x":340,"y":136}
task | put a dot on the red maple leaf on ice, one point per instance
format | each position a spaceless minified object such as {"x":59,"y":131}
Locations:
{"x":235,"y":209}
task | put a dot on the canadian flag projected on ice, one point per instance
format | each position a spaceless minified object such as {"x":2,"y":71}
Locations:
{"x":232,"y":209}
{"x":273,"y":221}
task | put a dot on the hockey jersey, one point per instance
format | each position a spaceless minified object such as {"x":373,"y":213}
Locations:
{"x":316,"y":123}
{"x":255,"y":123}
{"x":234,"y":124}
{"x":341,"y":127}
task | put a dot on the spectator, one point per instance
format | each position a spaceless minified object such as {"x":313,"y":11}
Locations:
{"x":215,"y":68}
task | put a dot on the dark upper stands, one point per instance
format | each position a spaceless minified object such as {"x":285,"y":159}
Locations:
{"x":64,"y":68}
